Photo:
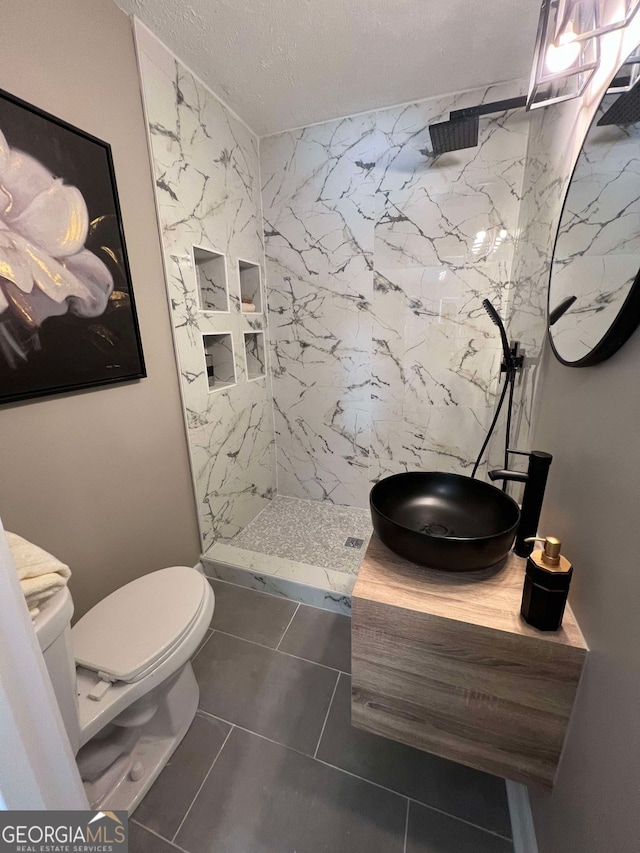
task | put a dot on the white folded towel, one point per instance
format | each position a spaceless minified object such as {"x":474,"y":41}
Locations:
{"x":248,"y":308}
{"x":41,"y":574}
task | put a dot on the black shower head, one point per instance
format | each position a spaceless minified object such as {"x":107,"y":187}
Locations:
{"x":625,"y":110}
{"x":461,"y":131}
{"x":454,"y":135}
{"x":495,"y":318}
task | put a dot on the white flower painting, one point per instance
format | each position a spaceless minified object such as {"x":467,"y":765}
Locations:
{"x":44,"y":266}
{"x":67,"y":318}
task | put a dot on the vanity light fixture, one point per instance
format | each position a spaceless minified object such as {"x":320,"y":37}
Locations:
{"x":590,"y":18}
{"x":563,"y":61}
{"x":567,"y":53}
{"x":567,"y":45}
{"x":563,"y":53}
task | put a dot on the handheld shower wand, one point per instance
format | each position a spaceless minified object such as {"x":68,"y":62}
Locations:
{"x":511,"y":368}
{"x":495,"y":319}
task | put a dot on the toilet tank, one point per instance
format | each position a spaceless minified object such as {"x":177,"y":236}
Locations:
{"x":53,"y":629}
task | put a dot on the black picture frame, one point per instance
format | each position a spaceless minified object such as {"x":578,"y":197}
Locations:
{"x":73,"y":329}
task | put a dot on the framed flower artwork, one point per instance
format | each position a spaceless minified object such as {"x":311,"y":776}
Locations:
{"x":67,"y":312}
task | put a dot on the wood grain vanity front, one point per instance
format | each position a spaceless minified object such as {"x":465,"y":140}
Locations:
{"x":444,"y":662}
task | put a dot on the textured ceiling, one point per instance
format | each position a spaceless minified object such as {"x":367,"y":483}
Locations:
{"x":285,"y":63}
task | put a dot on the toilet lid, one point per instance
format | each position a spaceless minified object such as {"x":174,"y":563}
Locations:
{"x":127,"y":632}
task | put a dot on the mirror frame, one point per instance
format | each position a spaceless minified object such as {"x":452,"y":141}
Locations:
{"x":628,"y":318}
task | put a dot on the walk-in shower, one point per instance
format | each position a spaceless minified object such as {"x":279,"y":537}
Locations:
{"x":326,"y":290}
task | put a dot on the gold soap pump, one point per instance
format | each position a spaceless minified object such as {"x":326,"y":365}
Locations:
{"x":546,"y":585}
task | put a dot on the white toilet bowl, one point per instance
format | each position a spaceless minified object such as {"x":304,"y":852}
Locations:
{"x":133,"y":695}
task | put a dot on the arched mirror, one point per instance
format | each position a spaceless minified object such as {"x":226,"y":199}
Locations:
{"x":594,"y":289}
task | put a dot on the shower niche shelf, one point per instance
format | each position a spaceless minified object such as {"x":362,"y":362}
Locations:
{"x":219,"y":360}
{"x":211,"y":277}
{"x":254,"y":354}
{"x":250,"y":289}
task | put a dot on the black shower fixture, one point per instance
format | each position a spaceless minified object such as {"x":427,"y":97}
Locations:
{"x":461,"y":131}
{"x":454,"y":135}
{"x":513,"y":363}
{"x":495,"y":319}
{"x":561,"y":309}
{"x":624,"y":111}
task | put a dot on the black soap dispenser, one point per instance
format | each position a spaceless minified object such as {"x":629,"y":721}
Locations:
{"x":546,"y":585}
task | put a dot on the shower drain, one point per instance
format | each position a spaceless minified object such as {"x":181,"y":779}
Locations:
{"x":353,"y":542}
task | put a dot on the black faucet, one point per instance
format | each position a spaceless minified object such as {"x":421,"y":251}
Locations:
{"x":536,"y":481}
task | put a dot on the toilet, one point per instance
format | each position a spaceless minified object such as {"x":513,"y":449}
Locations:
{"x":123,"y":678}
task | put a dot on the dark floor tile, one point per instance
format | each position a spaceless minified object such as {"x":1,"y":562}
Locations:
{"x":249,"y":614}
{"x":141,"y":841}
{"x":204,"y":640}
{"x":474,"y":796}
{"x":275,"y":695}
{"x":264,"y":798}
{"x":173,"y":791}
{"x":320,"y":636}
{"x":432,"y":832}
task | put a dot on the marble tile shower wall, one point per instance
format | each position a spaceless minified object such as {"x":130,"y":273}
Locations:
{"x":555,"y":139}
{"x":378,"y":258}
{"x":208,"y":190}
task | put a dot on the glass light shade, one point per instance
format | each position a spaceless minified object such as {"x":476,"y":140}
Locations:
{"x":563,"y":53}
{"x":591,"y":18}
{"x":563,"y":63}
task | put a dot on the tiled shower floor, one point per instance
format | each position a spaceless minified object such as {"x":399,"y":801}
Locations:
{"x":271,"y":763}
{"x":311,"y":532}
{"x":295,"y":541}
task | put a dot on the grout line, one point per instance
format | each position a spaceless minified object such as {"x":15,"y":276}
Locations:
{"x":326,"y":716}
{"x":306,"y":755}
{"x":186,"y":814}
{"x":279,"y":651}
{"x":353,"y":775}
{"x":462,"y":820}
{"x":362,"y":779}
{"x":202,"y":644}
{"x":257,"y":734}
{"x":157,"y":835}
{"x":288,"y":626}
{"x":413,"y":800}
{"x":406,"y":826}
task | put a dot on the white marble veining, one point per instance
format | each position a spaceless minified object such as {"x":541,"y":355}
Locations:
{"x":211,"y":275}
{"x":255,"y":354}
{"x":378,"y":258}
{"x":459,"y":208}
{"x":318,"y":194}
{"x":597,"y":252}
{"x":278,"y":576}
{"x":208,"y":191}
{"x":555,"y":139}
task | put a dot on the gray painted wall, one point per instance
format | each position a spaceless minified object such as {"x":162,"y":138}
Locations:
{"x":99,"y":478}
{"x":590,"y":420}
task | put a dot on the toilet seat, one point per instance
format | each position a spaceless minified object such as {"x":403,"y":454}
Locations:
{"x":131,"y":632}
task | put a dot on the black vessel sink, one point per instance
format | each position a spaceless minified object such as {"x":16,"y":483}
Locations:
{"x":445,"y":521}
